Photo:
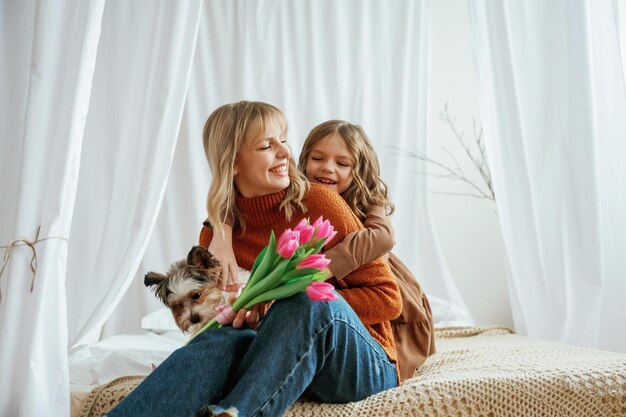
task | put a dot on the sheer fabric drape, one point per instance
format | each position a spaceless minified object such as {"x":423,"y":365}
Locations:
{"x":363,"y":61}
{"x":44,"y":96}
{"x":554,"y":111}
{"x":102,"y":107}
{"x":140,"y":85}
{"x":87,"y":164}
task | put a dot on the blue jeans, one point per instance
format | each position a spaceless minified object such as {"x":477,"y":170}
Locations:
{"x":319,"y":349}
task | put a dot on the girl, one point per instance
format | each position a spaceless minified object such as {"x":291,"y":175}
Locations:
{"x":338,"y":351}
{"x":338,"y":155}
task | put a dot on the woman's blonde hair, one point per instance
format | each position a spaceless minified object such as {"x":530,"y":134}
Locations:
{"x":367,"y":187}
{"x":226,"y":130}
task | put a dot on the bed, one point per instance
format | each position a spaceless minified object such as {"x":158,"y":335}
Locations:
{"x":477,"y":371}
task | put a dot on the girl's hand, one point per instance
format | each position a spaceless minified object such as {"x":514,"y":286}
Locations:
{"x":222,"y":250}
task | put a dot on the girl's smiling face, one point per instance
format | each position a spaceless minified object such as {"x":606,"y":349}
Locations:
{"x":262,"y":164}
{"x":330,"y":163}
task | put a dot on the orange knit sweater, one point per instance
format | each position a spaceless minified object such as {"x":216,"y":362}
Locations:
{"x":371,"y":290}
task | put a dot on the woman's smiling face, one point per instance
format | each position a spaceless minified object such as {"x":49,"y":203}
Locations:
{"x":262,"y":164}
{"x":330,"y":163}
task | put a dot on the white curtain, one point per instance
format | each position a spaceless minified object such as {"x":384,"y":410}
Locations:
{"x":363,"y":61}
{"x":91,"y":165}
{"x":48,"y":51}
{"x":140,"y":83}
{"x":103,"y":200}
{"x":554,"y":110}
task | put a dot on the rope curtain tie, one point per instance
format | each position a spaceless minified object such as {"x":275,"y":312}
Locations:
{"x":22,"y":241}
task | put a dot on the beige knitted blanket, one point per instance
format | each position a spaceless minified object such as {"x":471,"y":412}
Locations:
{"x":476,"y":371}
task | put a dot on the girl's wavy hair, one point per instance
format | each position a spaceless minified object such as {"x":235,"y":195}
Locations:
{"x":226,"y":130}
{"x":367,"y":187}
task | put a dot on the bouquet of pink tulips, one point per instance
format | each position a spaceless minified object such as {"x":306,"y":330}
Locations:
{"x":285,"y":267}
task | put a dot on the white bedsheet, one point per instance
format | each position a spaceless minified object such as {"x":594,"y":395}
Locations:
{"x":116,"y":356}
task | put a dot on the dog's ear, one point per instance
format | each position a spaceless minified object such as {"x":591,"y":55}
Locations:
{"x":153,"y":278}
{"x":158,"y":283}
{"x":201,"y":258}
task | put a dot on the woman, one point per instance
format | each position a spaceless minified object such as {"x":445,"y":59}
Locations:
{"x":336,"y":351}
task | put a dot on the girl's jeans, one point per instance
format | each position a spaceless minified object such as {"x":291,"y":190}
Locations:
{"x":320,"y":349}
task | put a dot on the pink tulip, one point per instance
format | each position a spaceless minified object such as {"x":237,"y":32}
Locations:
{"x":320,"y":291}
{"x":323,"y":228}
{"x":287,"y":243}
{"x":330,"y":237}
{"x":306,"y":231}
{"x":301,"y":224}
{"x":317,"y":260}
{"x":225,"y":314}
{"x":318,"y":222}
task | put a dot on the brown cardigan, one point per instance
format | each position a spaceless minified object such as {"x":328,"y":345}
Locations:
{"x":413,"y":331}
{"x":371,"y":290}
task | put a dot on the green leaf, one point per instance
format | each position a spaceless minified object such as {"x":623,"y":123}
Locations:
{"x":269,"y":252}
{"x":320,"y":276}
{"x":298,"y":273}
{"x":258,"y":260}
{"x":262,"y":285}
{"x":317,"y":245}
{"x":283,"y":291}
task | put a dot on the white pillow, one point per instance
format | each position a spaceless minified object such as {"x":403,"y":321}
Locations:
{"x":159,"y":321}
{"x":446,"y":314}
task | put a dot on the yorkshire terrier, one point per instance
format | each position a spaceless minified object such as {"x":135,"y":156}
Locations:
{"x":189,"y":289}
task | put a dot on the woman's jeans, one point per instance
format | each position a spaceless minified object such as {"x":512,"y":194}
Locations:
{"x":320,"y":349}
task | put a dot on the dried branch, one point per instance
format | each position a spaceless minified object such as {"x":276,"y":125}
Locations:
{"x":455,"y":172}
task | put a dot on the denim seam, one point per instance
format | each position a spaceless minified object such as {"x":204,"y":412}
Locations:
{"x":307,"y":353}
{"x":368,"y":340}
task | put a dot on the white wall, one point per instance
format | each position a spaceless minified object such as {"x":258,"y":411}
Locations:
{"x":621,"y":22}
{"x":468,"y":228}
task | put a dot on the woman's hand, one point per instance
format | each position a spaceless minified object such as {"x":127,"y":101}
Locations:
{"x":222,"y":249}
{"x":251,"y":317}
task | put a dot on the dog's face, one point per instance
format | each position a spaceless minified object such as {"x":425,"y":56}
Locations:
{"x":189,"y":289}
